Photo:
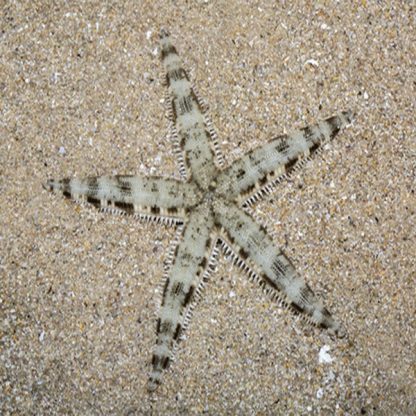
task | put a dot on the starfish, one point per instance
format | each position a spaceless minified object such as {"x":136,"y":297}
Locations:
{"x":211,"y":205}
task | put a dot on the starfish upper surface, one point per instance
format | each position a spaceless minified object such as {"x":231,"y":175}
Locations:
{"x":210,"y":206}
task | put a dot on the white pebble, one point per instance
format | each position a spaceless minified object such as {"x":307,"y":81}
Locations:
{"x":312,"y":62}
{"x":324,"y":357}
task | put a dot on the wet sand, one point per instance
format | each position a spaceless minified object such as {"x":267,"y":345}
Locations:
{"x":80,"y":94}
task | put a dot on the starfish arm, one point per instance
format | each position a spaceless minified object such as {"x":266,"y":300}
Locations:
{"x":190,"y":260}
{"x":259,"y":170}
{"x":150,"y":198}
{"x":274,"y":270}
{"x":187,"y":116}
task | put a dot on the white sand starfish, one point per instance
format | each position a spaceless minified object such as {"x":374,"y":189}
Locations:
{"x":211,"y":208}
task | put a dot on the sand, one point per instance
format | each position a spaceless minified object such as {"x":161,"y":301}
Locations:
{"x":80,"y":94}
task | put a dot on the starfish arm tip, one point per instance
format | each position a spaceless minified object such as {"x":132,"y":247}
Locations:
{"x":349,"y":116}
{"x":50,"y":185}
{"x":164,"y":33}
{"x":152,"y":385}
{"x":338,"y":330}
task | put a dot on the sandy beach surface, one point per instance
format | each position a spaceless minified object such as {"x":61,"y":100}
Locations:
{"x":80,"y":95}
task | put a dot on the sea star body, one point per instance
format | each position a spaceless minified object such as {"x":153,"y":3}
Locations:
{"x":210,"y":205}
